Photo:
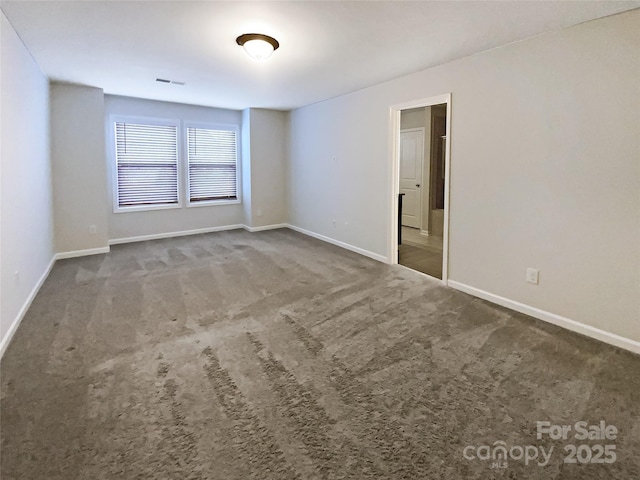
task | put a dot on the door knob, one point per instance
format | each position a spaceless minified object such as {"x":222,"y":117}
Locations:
{"x":418,"y":185}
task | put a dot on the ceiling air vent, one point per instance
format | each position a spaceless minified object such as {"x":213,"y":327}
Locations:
{"x":164,"y":80}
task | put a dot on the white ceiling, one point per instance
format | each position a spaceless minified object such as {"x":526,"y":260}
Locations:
{"x":326,"y":48}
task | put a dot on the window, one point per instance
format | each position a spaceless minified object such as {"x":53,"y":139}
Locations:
{"x":146,"y":164}
{"x":211,"y":159}
{"x":155,"y":160}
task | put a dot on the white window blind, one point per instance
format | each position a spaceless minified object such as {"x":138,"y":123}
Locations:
{"x":212,"y":159}
{"x":147,"y":164}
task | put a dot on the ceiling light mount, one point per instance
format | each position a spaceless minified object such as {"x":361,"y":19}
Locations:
{"x":257,"y":45}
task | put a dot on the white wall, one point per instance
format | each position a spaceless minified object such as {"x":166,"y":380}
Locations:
{"x":79,"y":167}
{"x":246,"y":167}
{"x":339,"y":167}
{"x":157,"y":222}
{"x":412,"y":118}
{"x":550,"y":180}
{"x":268,"y":167}
{"x":26,"y":236}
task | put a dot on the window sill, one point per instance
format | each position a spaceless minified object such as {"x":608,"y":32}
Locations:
{"x":146,"y":208}
{"x":212,"y":203}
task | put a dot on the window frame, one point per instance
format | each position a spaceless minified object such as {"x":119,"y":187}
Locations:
{"x":185,"y":163}
{"x":113,"y":119}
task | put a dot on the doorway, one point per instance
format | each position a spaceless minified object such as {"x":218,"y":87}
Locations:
{"x":421,"y":170}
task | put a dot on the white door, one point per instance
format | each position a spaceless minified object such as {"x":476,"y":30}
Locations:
{"x":411,"y":159}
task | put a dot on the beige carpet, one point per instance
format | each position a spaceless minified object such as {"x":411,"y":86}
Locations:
{"x":275,"y":356}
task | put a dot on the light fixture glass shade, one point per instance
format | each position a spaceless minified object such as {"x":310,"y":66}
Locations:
{"x":258,"y":45}
{"x":258,"y":49}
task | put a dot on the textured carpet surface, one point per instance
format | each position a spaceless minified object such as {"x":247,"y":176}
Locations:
{"x":275,"y":356}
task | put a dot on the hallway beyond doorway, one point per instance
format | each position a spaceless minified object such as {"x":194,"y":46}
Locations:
{"x":421,"y":252}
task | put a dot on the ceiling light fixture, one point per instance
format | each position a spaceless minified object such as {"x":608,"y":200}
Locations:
{"x":257,"y":45}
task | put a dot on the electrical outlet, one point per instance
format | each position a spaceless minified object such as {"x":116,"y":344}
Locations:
{"x":93,"y":229}
{"x":533,"y":276}
{"x":259,"y":212}
{"x":16,"y":276}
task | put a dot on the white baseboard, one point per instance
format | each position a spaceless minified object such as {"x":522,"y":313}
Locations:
{"x":265,"y":227}
{"x":587,"y":330}
{"x":6,"y":340}
{"x":82,"y":253}
{"x":361,"y":251}
{"x":183,"y":233}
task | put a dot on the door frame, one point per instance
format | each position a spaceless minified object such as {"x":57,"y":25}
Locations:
{"x":394,"y":128}
{"x":424,"y":134}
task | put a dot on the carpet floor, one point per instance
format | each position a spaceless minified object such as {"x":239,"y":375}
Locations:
{"x":272,"y":355}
